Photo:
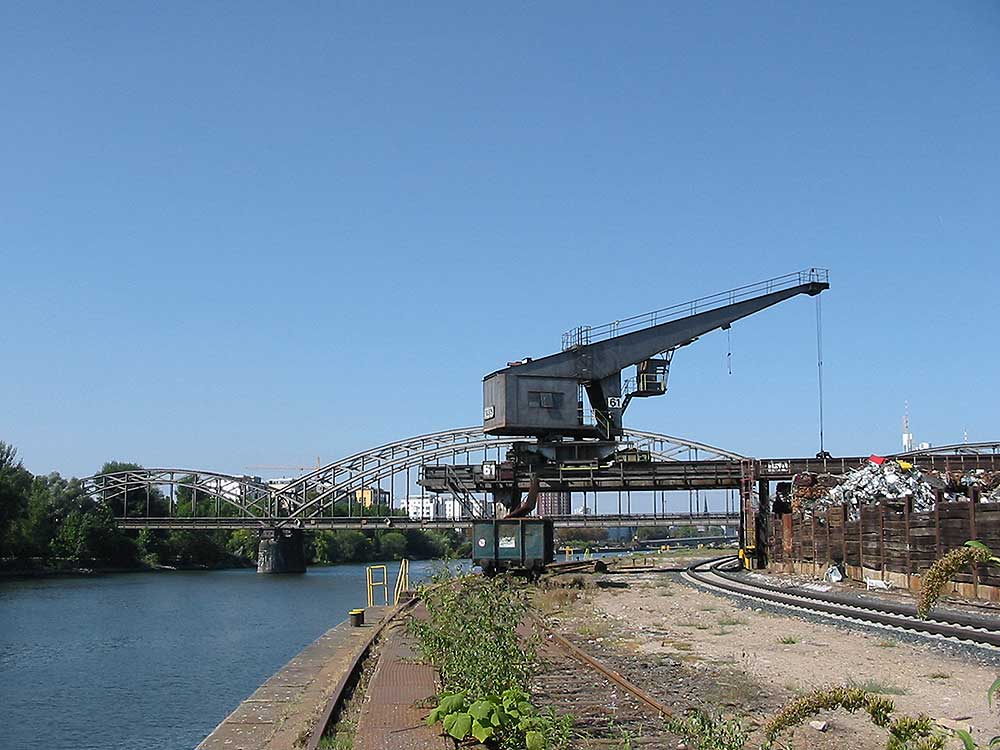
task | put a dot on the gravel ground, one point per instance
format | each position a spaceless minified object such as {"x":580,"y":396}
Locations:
{"x":694,"y":649}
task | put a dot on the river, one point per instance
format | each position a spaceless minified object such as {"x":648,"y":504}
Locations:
{"x":154,"y":660}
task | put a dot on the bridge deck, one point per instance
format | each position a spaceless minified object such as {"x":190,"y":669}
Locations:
{"x":680,"y":475}
{"x":635,"y":520}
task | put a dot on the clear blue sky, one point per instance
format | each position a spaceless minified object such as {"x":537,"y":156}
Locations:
{"x":245,"y":233}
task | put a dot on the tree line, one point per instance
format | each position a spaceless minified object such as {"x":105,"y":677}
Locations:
{"x":48,"y":522}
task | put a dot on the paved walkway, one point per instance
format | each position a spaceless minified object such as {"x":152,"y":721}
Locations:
{"x":399,"y":697}
{"x":283,"y":712}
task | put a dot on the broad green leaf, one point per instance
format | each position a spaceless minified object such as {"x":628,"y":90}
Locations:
{"x":451,"y":703}
{"x":481,"y":732}
{"x":534,"y":741}
{"x":967,"y":742}
{"x":432,"y":717}
{"x":525,"y":708}
{"x":458,"y":725}
{"x":977,"y":544}
{"x":482,"y":709}
{"x":992,"y":692}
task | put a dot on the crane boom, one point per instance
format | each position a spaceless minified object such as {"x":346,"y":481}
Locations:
{"x":539,"y":397}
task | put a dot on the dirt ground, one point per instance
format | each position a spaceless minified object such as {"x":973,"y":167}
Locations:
{"x":693,"y":649}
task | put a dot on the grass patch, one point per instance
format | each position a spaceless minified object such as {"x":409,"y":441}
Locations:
{"x":341,"y":739}
{"x":594,"y":629}
{"x":788,"y":640}
{"x":939,"y":676}
{"x":886,"y":643}
{"x":728,"y":621}
{"x":682,"y":645}
{"x":549,"y":601}
{"x":879,"y":687}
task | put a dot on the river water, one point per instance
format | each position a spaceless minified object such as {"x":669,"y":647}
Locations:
{"x":154,"y":660}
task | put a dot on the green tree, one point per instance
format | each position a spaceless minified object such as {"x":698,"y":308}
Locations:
{"x":91,"y":536}
{"x":15,"y":487}
{"x":243,"y":543}
{"x":51,"y":500}
{"x":392,"y":545}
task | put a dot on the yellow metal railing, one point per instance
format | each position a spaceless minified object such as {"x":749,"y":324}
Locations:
{"x":373,"y":583}
{"x":402,"y":580}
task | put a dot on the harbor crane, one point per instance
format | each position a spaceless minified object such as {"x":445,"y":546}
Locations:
{"x":544,"y":398}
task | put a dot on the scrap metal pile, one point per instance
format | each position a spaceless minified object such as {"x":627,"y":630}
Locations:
{"x":890,"y":480}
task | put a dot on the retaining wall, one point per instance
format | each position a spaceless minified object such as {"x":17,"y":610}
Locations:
{"x":890,"y":542}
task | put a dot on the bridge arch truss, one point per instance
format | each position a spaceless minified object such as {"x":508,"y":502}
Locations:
{"x":349,"y":487}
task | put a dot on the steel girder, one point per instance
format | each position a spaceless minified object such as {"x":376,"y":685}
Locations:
{"x":117,"y":489}
{"x":310,"y":495}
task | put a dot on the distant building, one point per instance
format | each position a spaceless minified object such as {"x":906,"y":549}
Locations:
{"x":439,"y":507}
{"x":554,"y":504}
{"x":369,"y":496}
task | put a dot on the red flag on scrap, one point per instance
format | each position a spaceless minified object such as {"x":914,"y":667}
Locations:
{"x":876,"y":459}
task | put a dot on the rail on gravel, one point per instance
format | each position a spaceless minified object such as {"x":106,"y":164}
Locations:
{"x":966,"y":630}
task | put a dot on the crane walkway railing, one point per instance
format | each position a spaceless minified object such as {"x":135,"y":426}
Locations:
{"x":583,"y":335}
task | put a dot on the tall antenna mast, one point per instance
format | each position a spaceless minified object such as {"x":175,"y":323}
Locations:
{"x":907,"y":435}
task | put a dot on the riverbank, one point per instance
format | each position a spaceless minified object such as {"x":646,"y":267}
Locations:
{"x":76,"y":571}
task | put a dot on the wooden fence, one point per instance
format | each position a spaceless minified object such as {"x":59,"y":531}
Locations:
{"x":890,"y":542}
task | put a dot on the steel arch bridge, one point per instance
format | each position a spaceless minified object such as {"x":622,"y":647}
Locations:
{"x":348,"y":493}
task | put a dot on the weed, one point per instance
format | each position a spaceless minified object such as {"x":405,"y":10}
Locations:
{"x":468,"y":635}
{"x":940,"y":573}
{"x":485,"y":665}
{"x":905,"y":732}
{"x":727,"y":621}
{"x":341,"y":739}
{"x":788,"y":640}
{"x":939,"y":676}
{"x":876,"y":687}
{"x":702,"y":731}
{"x":552,"y":600}
{"x":886,"y":643}
{"x":594,"y":629}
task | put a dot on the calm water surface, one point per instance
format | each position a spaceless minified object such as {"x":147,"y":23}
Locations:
{"x":154,"y":660}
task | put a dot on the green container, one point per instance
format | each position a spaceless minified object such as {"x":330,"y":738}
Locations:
{"x":515,"y":544}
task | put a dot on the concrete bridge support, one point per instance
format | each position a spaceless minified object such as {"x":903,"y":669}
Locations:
{"x":281,"y":551}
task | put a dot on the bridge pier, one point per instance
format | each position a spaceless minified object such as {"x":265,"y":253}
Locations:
{"x":281,"y":551}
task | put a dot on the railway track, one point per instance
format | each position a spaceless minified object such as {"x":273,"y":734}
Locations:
{"x":967,"y":631}
{"x":638,"y":707}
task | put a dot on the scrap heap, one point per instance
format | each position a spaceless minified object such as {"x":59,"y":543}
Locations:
{"x":888,"y":479}
{"x":988,"y":483}
{"x":879,"y":479}
{"x":884,"y":478}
